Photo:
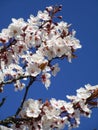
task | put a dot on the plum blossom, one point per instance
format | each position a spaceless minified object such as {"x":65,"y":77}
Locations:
{"x":50,"y":8}
{"x":34,"y":21}
{"x":63,"y":105}
{"x":55,"y":69}
{"x":51,"y":112}
{"x":43,"y":15}
{"x":50,"y":124}
{"x":13,"y":70}
{"x":63,"y":26}
{"x":72,"y":41}
{"x":90,"y":87}
{"x":46,"y":79}
{"x":31,"y":108}
{"x":82,"y":93}
{"x":18,"y":85}
{"x":38,"y":58}
{"x":32,"y":69}
{"x":15,"y":28}
{"x":36,"y":43}
{"x":57,"y":113}
{"x":4,"y":36}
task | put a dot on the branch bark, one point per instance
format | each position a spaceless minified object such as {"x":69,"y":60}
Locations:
{"x":32,"y":79}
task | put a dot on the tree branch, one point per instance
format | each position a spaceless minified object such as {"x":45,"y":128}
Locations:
{"x":2,"y":102}
{"x":13,"y":80}
{"x":32,"y":79}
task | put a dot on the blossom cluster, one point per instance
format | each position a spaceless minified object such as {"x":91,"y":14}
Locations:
{"x":27,"y":48}
{"x":55,"y":114}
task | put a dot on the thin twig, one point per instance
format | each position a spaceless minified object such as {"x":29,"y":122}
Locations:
{"x":2,"y":102}
{"x":14,"y":79}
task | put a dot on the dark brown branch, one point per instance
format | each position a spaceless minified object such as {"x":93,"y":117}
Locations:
{"x":14,"y":79}
{"x":32,"y":79}
{"x":2,"y":102}
{"x":10,"y":120}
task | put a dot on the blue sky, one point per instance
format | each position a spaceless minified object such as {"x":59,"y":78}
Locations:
{"x":83,"y":15}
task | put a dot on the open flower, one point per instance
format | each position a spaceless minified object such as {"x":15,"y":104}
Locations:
{"x":46,"y":79}
{"x":15,"y":28}
{"x":82,"y":93}
{"x":32,"y":69}
{"x":43,"y":15}
{"x":55,"y":69}
{"x":31,"y":108}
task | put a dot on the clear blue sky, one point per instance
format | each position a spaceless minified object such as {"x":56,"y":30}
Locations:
{"x":83,"y":14}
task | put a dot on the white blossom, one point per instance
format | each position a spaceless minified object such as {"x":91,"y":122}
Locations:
{"x":82,"y":93}
{"x":15,"y":28}
{"x":31,"y":108}
{"x":43,"y":15}
{"x":4,"y":35}
{"x":55,"y":69}
{"x":49,"y":8}
{"x":27,"y":50}
{"x":34,"y":21}
{"x":62,"y":104}
{"x":63,"y":26}
{"x":51,"y":112}
{"x":32,"y":69}
{"x":46,"y":79}
{"x":18,"y":85}
{"x":90,"y":87}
